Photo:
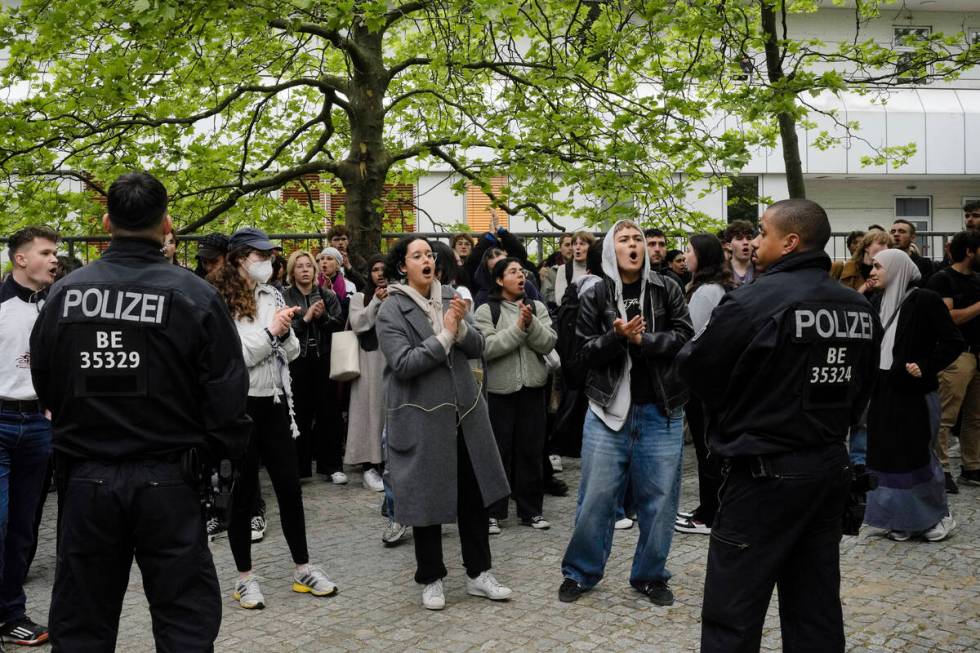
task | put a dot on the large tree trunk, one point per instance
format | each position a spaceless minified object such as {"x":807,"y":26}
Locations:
{"x":787,"y":121}
{"x":364,"y":171}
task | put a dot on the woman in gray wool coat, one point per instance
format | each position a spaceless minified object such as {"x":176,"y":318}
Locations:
{"x":443,"y":463}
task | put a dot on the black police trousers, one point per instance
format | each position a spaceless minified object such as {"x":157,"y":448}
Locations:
{"x":111,"y":512}
{"x":778,"y":524}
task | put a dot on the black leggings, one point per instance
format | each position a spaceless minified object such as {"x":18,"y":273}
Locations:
{"x":472,"y":518}
{"x":271,"y":441}
{"x":317,"y":401}
{"x":518,"y":421}
{"x":709,"y":465}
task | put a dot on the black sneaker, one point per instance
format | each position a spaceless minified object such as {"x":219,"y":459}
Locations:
{"x":951,"y":487}
{"x":969,"y":478}
{"x":570,"y":591}
{"x":24,"y":632}
{"x":658,"y":592}
{"x":555,"y":487}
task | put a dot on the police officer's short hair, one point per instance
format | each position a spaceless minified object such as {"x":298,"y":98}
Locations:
{"x":805,"y":218}
{"x":137,"y":201}
{"x":27,"y":235}
{"x":962,"y":243}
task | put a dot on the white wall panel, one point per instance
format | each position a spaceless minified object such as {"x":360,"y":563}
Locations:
{"x":906,"y":123}
{"x":945,"y":125}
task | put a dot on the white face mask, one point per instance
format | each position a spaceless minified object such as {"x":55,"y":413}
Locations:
{"x":260,"y":271}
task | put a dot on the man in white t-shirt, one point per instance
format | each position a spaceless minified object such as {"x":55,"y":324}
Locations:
{"x":25,"y":433}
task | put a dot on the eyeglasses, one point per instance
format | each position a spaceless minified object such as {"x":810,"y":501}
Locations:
{"x":972,"y":215}
{"x":419,"y":256}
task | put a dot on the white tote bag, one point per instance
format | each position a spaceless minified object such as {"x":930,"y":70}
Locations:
{"x":344,"y":356}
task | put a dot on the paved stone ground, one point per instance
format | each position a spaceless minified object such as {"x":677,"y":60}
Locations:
{"x":910,"y":597}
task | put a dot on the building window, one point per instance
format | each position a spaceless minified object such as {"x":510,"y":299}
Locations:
{"x":743,"y":199}
{"x":904,"y":41}
{"x":479,"y":213}
{"x":973,"y":36}
{"x":915,"y":209}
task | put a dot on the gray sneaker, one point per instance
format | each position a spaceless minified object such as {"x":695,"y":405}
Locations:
{"x":314,"y":582}
{"x":393,"y":533}
{"x":248,"y":594}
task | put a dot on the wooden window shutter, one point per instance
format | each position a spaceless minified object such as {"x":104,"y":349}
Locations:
{"x":398,"y":207}
{"x":478,"y":211}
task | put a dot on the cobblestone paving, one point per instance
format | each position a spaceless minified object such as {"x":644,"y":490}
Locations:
{"x":910,"y":597}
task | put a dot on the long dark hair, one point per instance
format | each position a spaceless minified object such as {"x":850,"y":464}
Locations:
{"x":369,"y":286}
{"x":397,"y":254}
{"x":712,"y":267}
{"x":233,"y":288}
{"x":446,"y":267}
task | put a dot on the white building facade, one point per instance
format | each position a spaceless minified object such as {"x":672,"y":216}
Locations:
{"x":941,"y":118}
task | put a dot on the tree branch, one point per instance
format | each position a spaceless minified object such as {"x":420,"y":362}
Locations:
{"x":461,"y":169}
{"x":401,"y":11}
{"x":333,"y":36}
{"x":407,"y":63}
{"x":269,"y":183}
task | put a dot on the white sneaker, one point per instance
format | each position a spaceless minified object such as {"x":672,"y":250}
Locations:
{"x":372,"y":480}
{"x":393,"y":533}
{"x":338,"y":478}
{"x":899,"y":536}
{"x":555,"y":461}
{"x":314,"y":582}
{"x":248,"y":594}
{"x":624,"y":524}
{"x":692,"y":526}
{"x":537,"y":522}
{"x":487,"y":586}
{"x":494,"y":527}
{"x":258,"y":528}
{"x":942,"y":530}
{"x":433,"y":597}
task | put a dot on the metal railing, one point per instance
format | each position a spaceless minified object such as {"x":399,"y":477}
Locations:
{"x":540,"y":244}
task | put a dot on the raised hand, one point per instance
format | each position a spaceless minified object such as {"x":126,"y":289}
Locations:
{"x":282,"y":320}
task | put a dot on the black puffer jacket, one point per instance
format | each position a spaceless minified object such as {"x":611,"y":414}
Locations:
{"x":605,"y":352}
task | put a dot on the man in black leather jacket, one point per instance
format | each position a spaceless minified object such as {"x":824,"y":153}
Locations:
{"x":631,"y":325}
{"x":784,"y":367}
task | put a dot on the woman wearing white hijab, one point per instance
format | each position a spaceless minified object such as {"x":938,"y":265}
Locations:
{"x":920,"y":340}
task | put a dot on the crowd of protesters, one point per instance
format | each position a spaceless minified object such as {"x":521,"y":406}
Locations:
{"x":478,"y":370}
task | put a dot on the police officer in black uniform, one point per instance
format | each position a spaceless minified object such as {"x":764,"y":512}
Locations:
{"x":785,"y":366}
{"x":141,"y":367}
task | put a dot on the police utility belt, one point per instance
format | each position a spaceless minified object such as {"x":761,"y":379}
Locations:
{"x":775,"y":465}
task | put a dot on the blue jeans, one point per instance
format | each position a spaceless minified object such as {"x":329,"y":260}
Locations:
{"x":857,"y":443}
{"x":647,"y":452}
{"x":25,"y":447}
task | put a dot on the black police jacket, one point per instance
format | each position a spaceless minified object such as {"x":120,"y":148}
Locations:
{"x":137,"y":358}
{"x":785,"y":363}
{"x":605,"y":352}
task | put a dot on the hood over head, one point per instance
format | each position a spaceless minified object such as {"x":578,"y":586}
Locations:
{"x":610,"y":267}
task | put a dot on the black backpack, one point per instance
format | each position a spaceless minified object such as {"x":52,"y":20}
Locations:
{"x":495,"y":309}
{"x":573,"y":370}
